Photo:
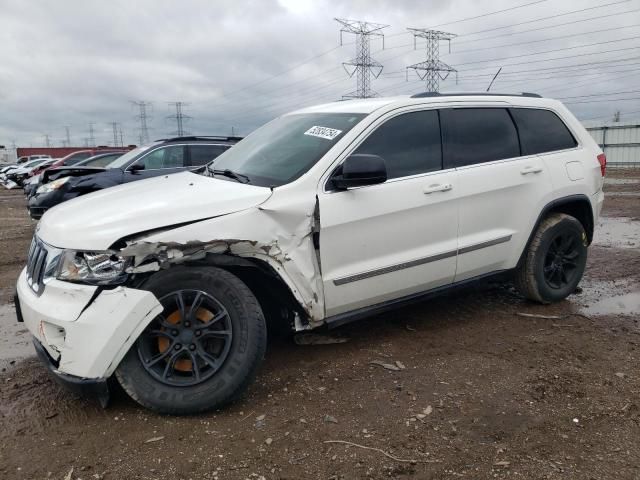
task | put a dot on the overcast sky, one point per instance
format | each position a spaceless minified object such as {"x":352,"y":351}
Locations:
{"x":241,"y":63}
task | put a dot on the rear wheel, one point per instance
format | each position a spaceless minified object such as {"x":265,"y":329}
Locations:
{"x":203,"y":350}
{"x":554,"y":261}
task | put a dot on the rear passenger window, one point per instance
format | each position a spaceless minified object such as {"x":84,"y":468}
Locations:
{"x":201,"y":154}
{"x":408,"y":143}
{"x":477,"y":135}
{"x":541,"y":131}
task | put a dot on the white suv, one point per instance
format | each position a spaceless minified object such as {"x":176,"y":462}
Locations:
{"x":322,"y":216}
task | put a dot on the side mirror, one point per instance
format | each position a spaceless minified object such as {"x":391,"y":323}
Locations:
{"x":361,"y":169}
{"x":136,"y":167}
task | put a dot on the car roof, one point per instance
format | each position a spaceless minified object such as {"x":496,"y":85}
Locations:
{"x":369,"y":105}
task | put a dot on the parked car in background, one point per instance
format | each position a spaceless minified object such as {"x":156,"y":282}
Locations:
{"x":21,"y":172}
{"x":322,"y":216}
{"x":80,"y":155}
{"x":28,"y":158}
{"x":97,"y":163}
{"x":158,"y":158}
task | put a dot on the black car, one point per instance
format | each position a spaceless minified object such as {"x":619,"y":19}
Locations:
{"x":97,"y":162}
{"x":158,"y":158}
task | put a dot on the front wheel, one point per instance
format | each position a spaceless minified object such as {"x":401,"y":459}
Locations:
{"x":205,"y":347}
{"x":554,"y":261}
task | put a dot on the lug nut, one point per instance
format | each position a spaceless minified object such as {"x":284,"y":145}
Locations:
{"x":192,"y":347}
{"x":178,"y":346}
{"x":198,"y":333}
{"x":174,"y":332}
{"x":187,"y":324}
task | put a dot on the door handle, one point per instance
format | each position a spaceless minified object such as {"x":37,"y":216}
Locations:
{"x":437,"y":187}
{"x":530,"y":169}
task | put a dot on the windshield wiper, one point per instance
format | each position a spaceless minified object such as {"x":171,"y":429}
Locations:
{"x":231,"y":174}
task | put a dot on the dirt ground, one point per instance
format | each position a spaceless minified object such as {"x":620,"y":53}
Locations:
{"x":484,"y":392}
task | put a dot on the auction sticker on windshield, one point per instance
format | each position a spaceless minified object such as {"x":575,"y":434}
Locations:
{"x":323,"y":132}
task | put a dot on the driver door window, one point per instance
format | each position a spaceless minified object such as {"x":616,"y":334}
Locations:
{"x":167,"y":157}
{"x":409,"y":144}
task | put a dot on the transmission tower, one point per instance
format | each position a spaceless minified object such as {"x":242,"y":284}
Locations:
{"x":47,"y":140}
{"x":143,"y":116}
{"x":92,"y":139}
{"x":362,"y":66}
{"x":114,"y":127}
{"x":68,"y":135}
{"x":432,"y":70}
{"x":180,"y":118}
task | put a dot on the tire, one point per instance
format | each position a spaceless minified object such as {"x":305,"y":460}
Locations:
{"x":225,"y":350}
{"x":538,"y":276}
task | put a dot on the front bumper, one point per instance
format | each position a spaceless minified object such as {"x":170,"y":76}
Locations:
{"x":84,"y":387}
{"x":41,"y":202}
{"x":86,"y":330}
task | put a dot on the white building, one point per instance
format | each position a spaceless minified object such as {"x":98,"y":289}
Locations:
{"x":620,"y":141}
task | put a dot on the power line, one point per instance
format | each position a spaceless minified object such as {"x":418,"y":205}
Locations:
{"x":490,"y":13}
{"x":546,"y":27}
{"x":554,"y":50}
{"x":68,"y":135}
{"x":600,"y":94}
{"x":591,"y":32}
{"x":180,"y":118}
{"x":432,"y":70}
{"x":47,"y":140}
{"x":544,"y":18}
{"x":607,"y":115}
{"x":603,"y":100}
{"x":363,"y":65}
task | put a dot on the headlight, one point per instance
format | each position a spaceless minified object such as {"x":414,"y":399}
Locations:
{"x":97,"y":268}
{"x":51,"y":186}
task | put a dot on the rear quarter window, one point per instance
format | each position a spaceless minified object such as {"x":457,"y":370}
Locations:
{"x":541,"y":131}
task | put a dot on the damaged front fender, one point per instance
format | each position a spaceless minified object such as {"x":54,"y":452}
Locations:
{"x":280,"y":235}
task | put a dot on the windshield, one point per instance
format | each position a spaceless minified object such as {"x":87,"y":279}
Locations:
{"x":284,"y":149}
{"x":100,"y":160}
{"x":33,"y":163}
{"x":130,"y":155}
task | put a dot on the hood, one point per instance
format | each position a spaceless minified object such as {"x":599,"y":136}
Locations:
{"x":97,"y":220}
{"x":59,"y":172}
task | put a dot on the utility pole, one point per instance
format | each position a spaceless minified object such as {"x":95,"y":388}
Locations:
{"x":432,"y":70}
{"x":180,"y":118}
{"x":114,"y":128}
{"x":143,"y":116}
{"x":86,"y":142}
{"x":68,"y":135}
{"x":121,"y":140}
{"x":92,"y":139}
{"x":47,"y":140}
{"x":362,"y":65}
{"x":616,"y":116}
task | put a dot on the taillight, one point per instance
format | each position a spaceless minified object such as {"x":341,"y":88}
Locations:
{"x":602,"y":159}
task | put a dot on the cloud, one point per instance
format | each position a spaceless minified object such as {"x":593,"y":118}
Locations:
{"x":239,"y":64}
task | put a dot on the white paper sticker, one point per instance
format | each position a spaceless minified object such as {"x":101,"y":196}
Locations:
{"x":323,"y":132}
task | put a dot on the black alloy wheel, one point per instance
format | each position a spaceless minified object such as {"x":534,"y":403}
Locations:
{"x":189,"y":341}
{"x":560,"y":264}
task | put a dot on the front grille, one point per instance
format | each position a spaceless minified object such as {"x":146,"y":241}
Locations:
{"x":36,"y":265}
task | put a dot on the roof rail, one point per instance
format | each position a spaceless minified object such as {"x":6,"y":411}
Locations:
{"x":201,"y":137}
{"x":475,"y":94}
